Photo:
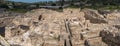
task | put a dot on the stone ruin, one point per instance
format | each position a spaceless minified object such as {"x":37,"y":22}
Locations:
{"x":72,"y":27}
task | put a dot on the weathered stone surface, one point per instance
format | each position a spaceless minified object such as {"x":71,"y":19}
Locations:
{"x":3,"y":42}
{"x":95,"y":42}
{"x":72,"y":27}
{"x":111,"y":36}
{"x":117,"y":26}
{"x":113,"y":18}
{"x":94,"y":16}
{"x":104,"y":12}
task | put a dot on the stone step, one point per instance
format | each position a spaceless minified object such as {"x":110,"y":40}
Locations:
{"x":89,"y":35}
{"x":77,"y":42}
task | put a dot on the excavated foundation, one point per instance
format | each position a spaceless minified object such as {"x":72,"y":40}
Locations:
{"x":72,"y":27}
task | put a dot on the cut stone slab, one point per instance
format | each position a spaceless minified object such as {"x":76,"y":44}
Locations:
{"x":95,"y":42}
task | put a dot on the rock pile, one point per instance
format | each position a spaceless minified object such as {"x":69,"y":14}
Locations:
{"x":72,"y":27}
{"x":111,"y":36}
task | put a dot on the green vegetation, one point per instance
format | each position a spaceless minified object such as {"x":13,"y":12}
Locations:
{"x":18,"y":10}
{"x":94,"y":4}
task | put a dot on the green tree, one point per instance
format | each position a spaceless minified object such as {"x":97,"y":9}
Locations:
{"x":62,"y":2}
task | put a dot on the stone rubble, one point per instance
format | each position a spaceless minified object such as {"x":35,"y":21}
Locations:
{"x":111,"y":36}
{"x":72,"y":27}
